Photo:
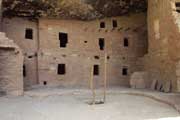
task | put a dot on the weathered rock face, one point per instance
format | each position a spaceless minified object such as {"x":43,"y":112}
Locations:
{"x":72,"y":9}
{"x":162,"y":60}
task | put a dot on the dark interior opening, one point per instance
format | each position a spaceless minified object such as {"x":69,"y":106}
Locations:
{"x":45,"y":82}
{"x":96,"y":69}
{"x":177,"y":4}
{"x":61,"y":69}
{"x":101,"y":43}
{"x":63,"y":37}
{"x":178,"y":7}
{"x":30,"y":56}
{"x":24,"y":71}
{"x":124,"y":71}
{"x":126,"y":42}
{"x":114,"y":24}
{"x":102,"y":25}
{"x":29,"y":33}
{"x":96,"y":57}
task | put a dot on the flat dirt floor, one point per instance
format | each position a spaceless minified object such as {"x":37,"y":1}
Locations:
{"x":75,"y":107}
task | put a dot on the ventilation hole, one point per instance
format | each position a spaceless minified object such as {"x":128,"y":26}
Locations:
{"x":30,"y":56}
{"x":96,"y":57}
{"x":63,"y":55}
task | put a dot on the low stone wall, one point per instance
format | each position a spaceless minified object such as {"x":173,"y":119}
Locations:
{"x":11,"y":64}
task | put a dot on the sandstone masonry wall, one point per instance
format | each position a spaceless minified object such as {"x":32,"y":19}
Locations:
{"x":43,"y":52}
{"x":11,"y":62}
{"x":15,"y":29}
{"x":83,"y":46}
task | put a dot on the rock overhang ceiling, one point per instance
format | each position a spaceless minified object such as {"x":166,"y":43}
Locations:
{"x":72,"y":9}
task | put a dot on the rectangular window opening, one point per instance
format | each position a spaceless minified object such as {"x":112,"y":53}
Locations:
{"x":61,"y":69}
{"x":115,"y":24}
{"x":63,"y":38}
{"x":96,"y":69}
{"x":126,"y":42}
{"x":102,"y":25}
{"x":124,"y":71}
{"x":101,"y":43}
{"x":29,"y":33}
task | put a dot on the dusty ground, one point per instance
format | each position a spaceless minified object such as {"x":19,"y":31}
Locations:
{"x":73,"y":106}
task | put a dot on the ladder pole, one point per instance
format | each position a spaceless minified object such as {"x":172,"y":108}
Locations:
{"x":92,"y":85}
{"x":105,"y":76}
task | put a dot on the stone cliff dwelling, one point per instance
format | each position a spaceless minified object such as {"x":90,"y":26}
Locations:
{"x":89,"y":59}
{"x":55,"y":51}
{"x":141,"y":46}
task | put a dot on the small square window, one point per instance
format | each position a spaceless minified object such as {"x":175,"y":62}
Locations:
{"x":102,"y":25}
{"x":29,"y":33}
{"x":124,"y":71}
